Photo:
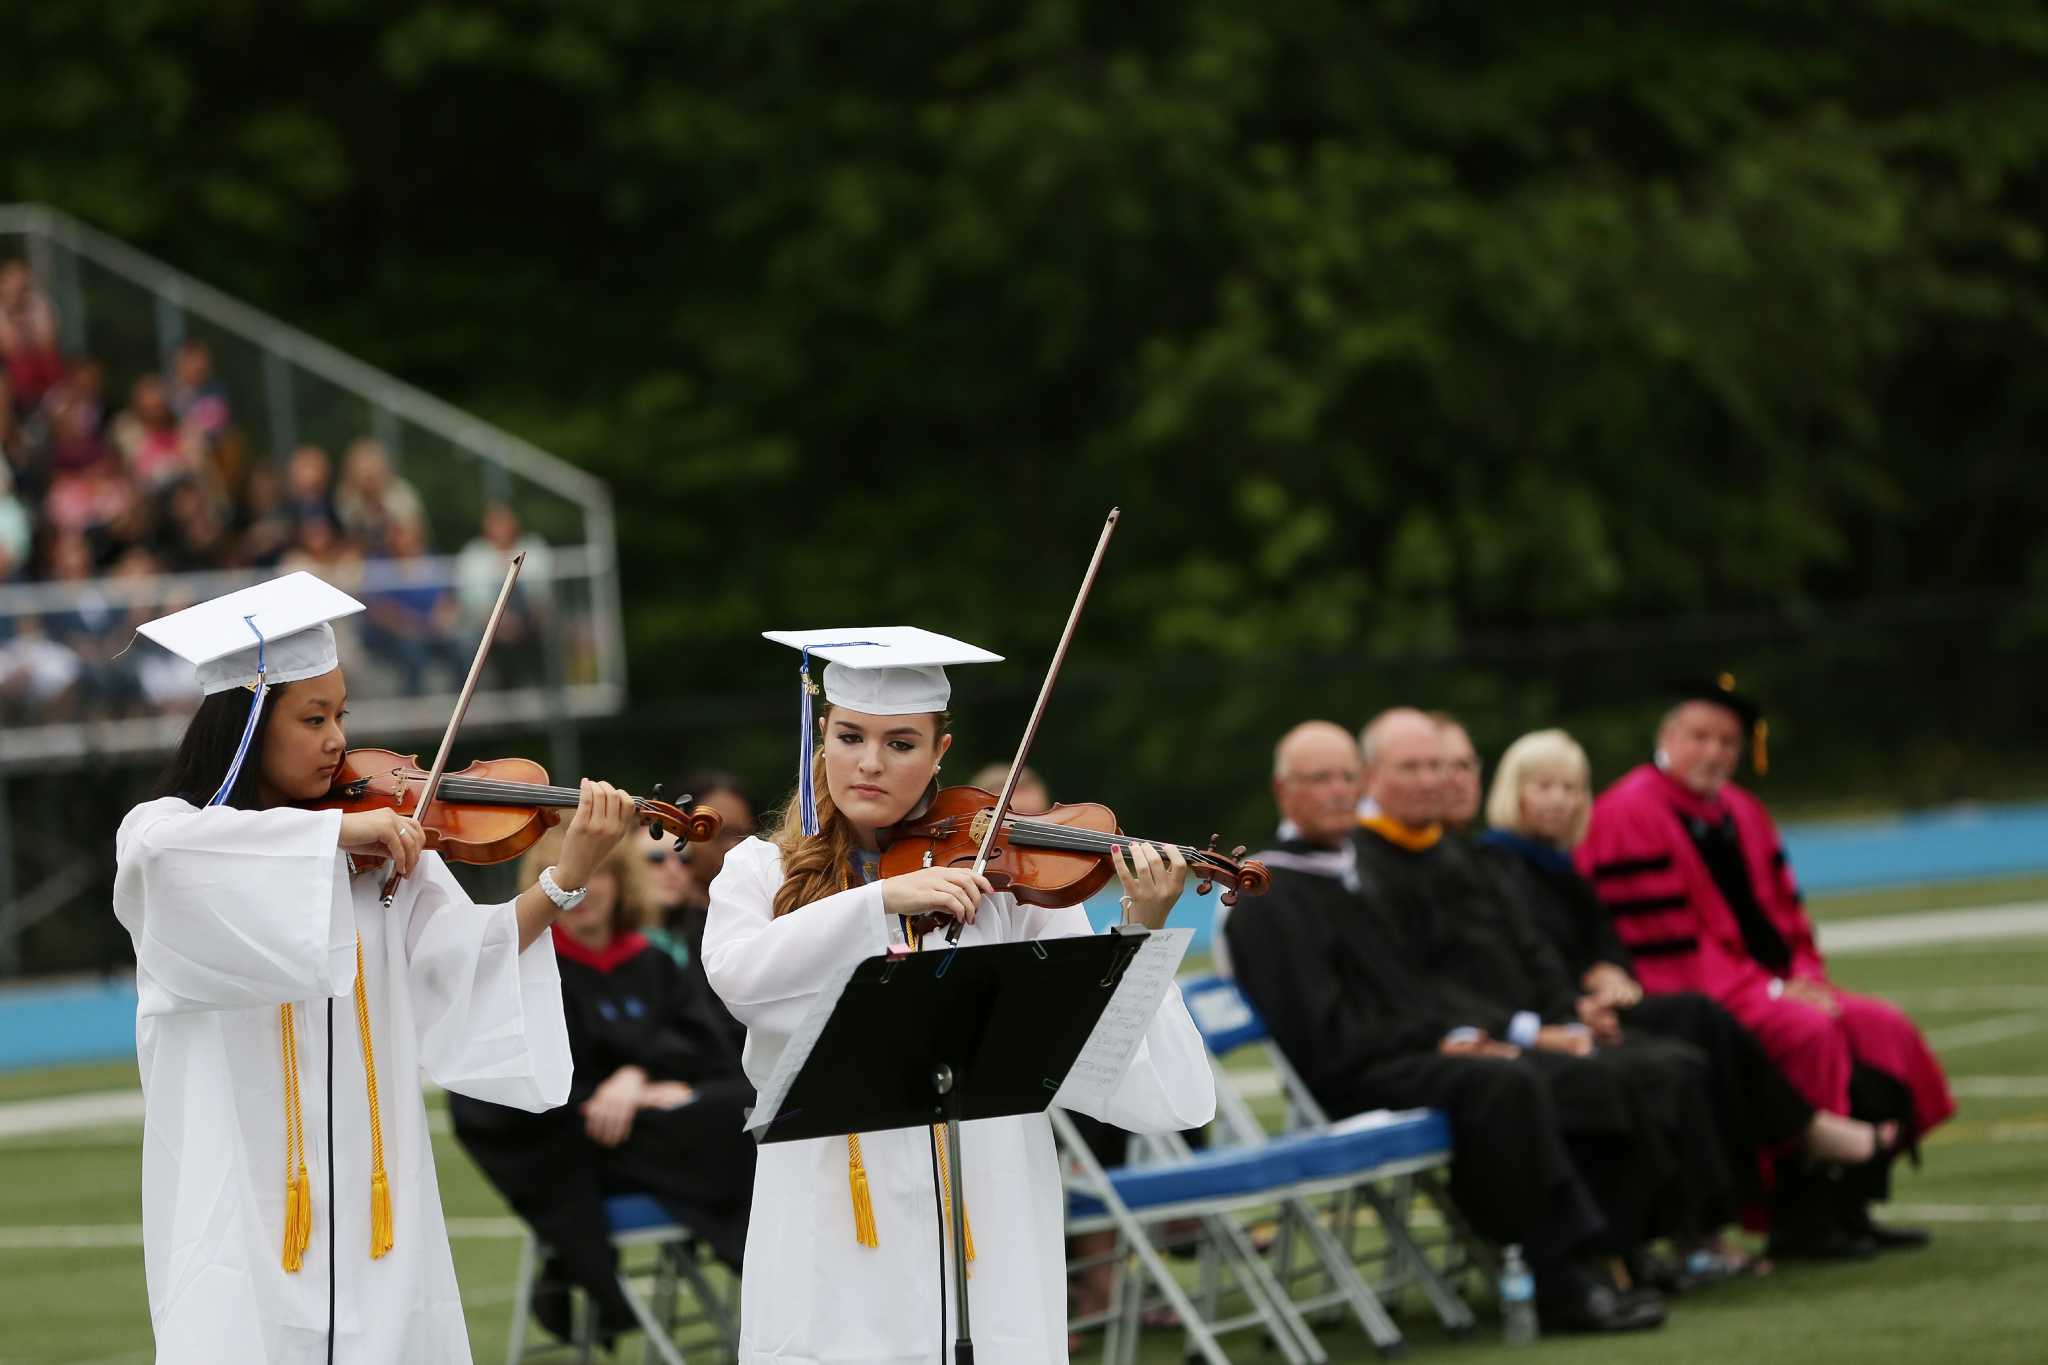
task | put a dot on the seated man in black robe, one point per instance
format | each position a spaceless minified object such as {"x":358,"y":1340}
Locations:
{"x":1354,"y":1013}
{"x":655,"y":1107}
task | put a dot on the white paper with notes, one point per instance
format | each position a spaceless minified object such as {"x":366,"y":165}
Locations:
{"x":1107,"y":1054}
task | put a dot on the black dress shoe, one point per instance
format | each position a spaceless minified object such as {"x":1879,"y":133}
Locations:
{"x":1601,"y":1309}
{"x":1897,"y":1238}
{"x":1821,"y":1244}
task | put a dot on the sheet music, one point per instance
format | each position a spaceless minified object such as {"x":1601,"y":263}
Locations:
{"x":1107,"y":1054}
{"x":797,"y":1050}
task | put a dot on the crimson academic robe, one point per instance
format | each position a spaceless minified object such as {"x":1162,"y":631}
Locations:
{"x":1652,"y":852}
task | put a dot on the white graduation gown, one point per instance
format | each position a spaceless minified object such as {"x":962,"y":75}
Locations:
{"x":234,"y":913}
{"x":810,"y":1292}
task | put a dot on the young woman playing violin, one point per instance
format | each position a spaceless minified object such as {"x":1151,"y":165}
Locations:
{"x":290,"y":1210}
{"x":843,"y":1248}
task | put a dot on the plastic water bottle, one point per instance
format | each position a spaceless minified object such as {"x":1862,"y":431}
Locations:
{"x":1517,"y":1299}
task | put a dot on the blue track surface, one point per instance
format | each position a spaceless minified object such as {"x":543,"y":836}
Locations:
{"x":92,"y":1022}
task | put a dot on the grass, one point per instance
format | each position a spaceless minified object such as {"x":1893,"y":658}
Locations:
{"x":1975,"y":1296}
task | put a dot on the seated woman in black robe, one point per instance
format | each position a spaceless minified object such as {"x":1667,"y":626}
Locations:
{"x":655,"y":1106}
{"x":1537,"y":811}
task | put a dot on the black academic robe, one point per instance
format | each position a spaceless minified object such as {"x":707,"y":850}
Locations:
{"x":1757,"y":1108}
{"x":1358,"y":1021}
{"x":629,"y":1005}
{"x":1641,"y":1112}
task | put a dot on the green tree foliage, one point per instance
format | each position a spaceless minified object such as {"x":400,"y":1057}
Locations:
{"x":1386,"y":322}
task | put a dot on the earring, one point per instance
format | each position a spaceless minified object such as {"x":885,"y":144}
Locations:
{"x":936,"y":767}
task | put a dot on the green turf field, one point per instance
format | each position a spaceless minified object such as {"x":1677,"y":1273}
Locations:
{"x":70,"y":1257}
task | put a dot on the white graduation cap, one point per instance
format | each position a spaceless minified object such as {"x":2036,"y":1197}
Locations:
{"x":877,"y":670}
{"x":275,"y":632}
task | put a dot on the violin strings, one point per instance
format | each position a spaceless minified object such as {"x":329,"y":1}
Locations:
{"x":529,"y":793}
{"x":1044,"y":834}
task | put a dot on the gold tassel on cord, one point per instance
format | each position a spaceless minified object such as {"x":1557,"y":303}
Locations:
{"x":863,"y":1202}
{"x":298,"y":1190}
{"x":380,"y":1185}
{"x":946,"y":1188}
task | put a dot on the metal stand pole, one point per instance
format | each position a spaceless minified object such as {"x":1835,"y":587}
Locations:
{"x":942,"y":1081}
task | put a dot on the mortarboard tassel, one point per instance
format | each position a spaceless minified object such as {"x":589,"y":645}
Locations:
{"x":1760,"y":747}
{"x":863,"y":1202}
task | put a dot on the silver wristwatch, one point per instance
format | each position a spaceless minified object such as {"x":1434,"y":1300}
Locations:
{"x":564,"y":900}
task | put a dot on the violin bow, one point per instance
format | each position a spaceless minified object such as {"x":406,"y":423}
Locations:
{"x":1002,"y":809}
{"x":476,"y":669}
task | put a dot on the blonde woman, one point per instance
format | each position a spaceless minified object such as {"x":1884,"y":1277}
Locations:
{"x":845,"y":1246}
{"x":1538,"y":809}
{"x":656,"y":1104}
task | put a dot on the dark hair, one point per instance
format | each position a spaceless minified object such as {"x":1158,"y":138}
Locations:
{"x":209,"y":746}
{"x":705,"y":781}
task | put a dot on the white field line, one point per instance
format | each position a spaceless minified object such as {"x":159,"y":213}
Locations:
{"x":1999,"y":1087}
{"x":1880,"y":932}
{"x":1936,"y":999}
{"x":1995,"y":1030}
{"x":67,"y":1237}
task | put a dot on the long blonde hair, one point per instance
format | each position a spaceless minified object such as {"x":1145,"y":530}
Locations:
{"x":633,"y":907}
{"x":1541,"y":751}
{"x":816,"y":867}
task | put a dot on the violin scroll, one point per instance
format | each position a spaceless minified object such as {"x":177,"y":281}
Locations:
{"x":696,"y":826}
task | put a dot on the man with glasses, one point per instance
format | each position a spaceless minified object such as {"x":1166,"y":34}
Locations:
{"x":1321,"y":959}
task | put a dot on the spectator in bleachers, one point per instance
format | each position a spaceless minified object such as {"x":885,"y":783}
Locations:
{"x":319,"y":547}
{"x":97,"y":502}
{"x":158,"y":449}
{"x":28,"y":336}
{"x":192,"y":531}
{"x":196,"y":395}
{"x":372,"y":499}
{"x":263,"y":524}
{"x":411,"y":611}
{"x":309,"y":485}
{"x":1323,"y":959}
{"x":71,"y":410}
{"x":1691,"y":868}
{"x":94,"y":629}
{"x":655,"y":1107}
{"x":17,"y":531}
{"x":518,"y":655}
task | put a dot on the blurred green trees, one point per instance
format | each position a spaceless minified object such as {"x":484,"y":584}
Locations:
{"x":1387,"y":322}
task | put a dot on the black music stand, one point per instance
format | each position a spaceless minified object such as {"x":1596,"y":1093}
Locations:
{"x":950,"y":1035}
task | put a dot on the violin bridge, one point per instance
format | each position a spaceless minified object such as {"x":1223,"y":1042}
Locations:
{"x":927,"y":858}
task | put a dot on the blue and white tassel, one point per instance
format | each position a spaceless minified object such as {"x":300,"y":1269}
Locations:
{"x":255,"y":713}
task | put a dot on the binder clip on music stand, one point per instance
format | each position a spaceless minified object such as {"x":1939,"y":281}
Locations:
{"x":968,"y":1033}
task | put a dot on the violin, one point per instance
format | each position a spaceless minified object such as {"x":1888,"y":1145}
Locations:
{"x":1055,"y":859}
{"x":493,"y":810}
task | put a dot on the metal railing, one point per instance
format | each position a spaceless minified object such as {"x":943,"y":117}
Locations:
{"x":71,"y":700}
{"x":131,"y":312}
